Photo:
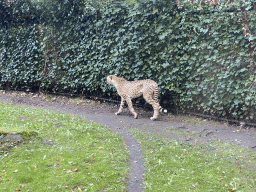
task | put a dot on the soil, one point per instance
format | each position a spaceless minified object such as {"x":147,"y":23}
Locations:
{"x":104,"y":113}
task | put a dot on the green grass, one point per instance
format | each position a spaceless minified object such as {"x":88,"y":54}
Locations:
{"x":67,"y":153}
{"x":176,"y":166}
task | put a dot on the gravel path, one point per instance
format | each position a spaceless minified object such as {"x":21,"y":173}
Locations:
{"x":105,"y":114}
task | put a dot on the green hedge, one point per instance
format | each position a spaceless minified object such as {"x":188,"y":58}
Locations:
{"x":198,"y":53}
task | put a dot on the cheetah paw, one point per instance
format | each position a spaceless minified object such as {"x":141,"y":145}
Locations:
{"x":153,"y":118}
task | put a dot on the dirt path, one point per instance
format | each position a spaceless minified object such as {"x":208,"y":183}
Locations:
{"x":105,"y":114}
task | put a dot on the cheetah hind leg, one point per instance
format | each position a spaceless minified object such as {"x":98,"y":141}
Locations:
{"x":156,"y":113}
{"x":155,"y":106}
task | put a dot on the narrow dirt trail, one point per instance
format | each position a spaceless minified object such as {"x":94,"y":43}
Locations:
{"x":105,"y":116}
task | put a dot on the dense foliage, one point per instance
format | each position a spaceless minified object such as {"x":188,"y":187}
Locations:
{"x":202,"y":55}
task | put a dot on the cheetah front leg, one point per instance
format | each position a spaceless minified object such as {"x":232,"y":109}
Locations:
{"x":121,"y":106}
{"x":129,"y":102}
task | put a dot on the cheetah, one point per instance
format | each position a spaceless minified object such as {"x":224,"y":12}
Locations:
{"x":133,"y":89}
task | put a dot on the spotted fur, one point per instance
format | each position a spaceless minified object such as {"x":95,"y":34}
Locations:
{"x":133,"y":89}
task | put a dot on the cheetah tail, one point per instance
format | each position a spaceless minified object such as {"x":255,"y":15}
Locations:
{"x":163,"y":110}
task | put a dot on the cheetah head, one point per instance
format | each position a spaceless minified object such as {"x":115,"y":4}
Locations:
{"x":110,"y":79}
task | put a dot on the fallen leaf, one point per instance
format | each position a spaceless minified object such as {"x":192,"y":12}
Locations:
{"x":77,"y":188}
{"x":66,"y":186}
{"x":17,"y":189}
{"x":15,"y":171}
{"x":91,"y":184}
{"x":69,"y":171}
{"x":3,"y":171}
{"x":75,"y":169}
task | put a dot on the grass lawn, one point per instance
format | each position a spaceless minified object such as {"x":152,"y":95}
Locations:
{"x":177,"y":166}
{"x":59,"y":152}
